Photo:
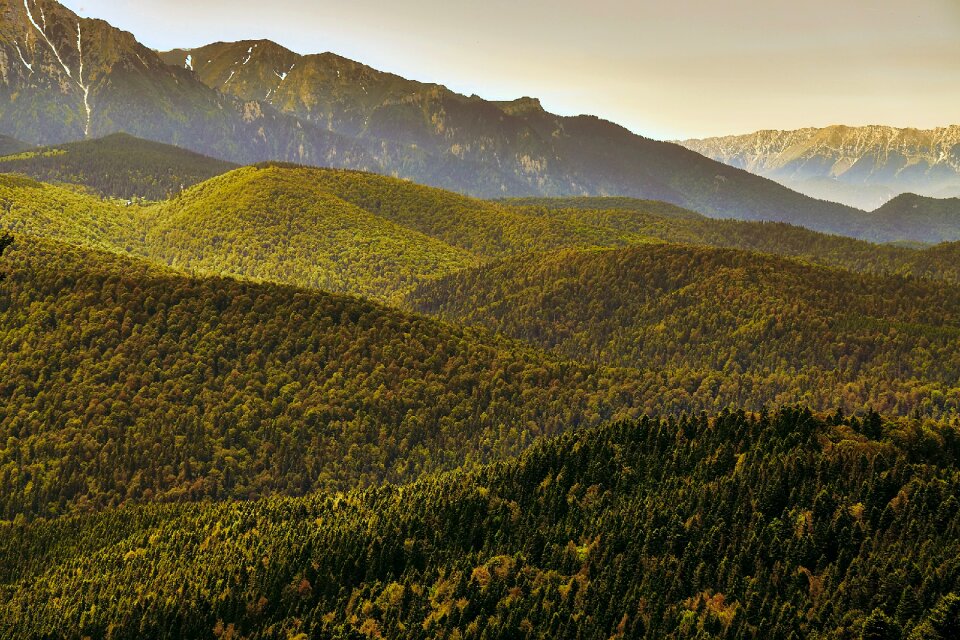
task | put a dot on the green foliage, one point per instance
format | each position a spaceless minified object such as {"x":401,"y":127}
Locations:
{"x":879,"y":626}
{"x":6,"y":240}
{"x":942,"y":622}
{"x":661,"y":221}
{"x":39,"y":209}
{"x":118,"y":166}
{"x":487,"y":229}
{"x":737,"y":526}
{"x":125,"y":382}
{"x":283,"y":225}
{"x":764,"y":323}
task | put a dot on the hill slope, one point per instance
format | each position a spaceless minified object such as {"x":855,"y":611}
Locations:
{"x":940,"y":218}
{"x":118,"y":166}
{"x":10,"y":145}
{"x":214,"y":388}
{"x":861,"y":166}
{"x":776,"y":527}
{"x":755,"y":319}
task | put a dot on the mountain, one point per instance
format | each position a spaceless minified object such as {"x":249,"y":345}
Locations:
{"x":64,"y":78}
{"x":117,"y":166}
{"x":863,"y":167}
{"x":780,"y":526}
{"x":254,"y":100}
{"x":742,"y":320}
{"x":488,"y":149}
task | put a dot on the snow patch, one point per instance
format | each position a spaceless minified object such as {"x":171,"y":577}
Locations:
{"x":43,"y":32}
{"x":84,"y":87}
{"x":188,"y":63}
{"x":283,"y":76}
{"x":249,"y":55}
{"x":232,"y":73}
{"x":22,"y":59}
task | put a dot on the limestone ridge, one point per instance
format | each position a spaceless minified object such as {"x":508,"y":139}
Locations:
{"x":860,"y":166}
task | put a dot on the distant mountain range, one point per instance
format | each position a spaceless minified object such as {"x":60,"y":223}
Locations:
{"x":863,"y":167}
{"x":65,"y":78}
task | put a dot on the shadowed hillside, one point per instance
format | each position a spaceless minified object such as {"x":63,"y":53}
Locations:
{"x":118,"y":166}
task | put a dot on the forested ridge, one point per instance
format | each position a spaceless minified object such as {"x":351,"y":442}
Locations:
{"x":117,"y":166}
{"x":379,"y":237}
{"x":126,"y":382}
{"x":678,"y":308}
{"x":736,"y":526}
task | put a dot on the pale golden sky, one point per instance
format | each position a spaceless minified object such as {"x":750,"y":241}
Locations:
{"x":666,"y":68}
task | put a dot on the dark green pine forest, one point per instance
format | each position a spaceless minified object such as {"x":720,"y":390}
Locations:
{"x":781,"y":525}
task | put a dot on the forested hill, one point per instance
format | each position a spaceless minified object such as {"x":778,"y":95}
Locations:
{"x":125,"y":381}
{"x":777,"y":527}
{"x":10,"y":145}
{"x":118,"y":166}
{"x":360,"y":233}
{"x":748,"y":319}
{"x":939,"y":218}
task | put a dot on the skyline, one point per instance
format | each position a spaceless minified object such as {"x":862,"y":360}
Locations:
{"x":650,"y":68}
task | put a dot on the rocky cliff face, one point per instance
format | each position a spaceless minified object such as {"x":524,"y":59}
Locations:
{"x":66,"y":78}
{"x":861,"y":166}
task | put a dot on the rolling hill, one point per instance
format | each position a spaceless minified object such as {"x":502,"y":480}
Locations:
{"x":117,"y":166}
{"x":283,"y":225}
{"x":210,"y":388}
{"x":213,"y":388}
{"x":739,"y":318}
{"x":864,"y":167}
{"x":380,"y":237}
{"x":778,"y":526}
{"x":940,"y":218}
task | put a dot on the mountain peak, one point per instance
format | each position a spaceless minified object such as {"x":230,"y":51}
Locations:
{"x":522,"y":106}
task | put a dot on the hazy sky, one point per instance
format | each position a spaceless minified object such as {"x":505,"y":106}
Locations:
{"x":665,"y":68}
